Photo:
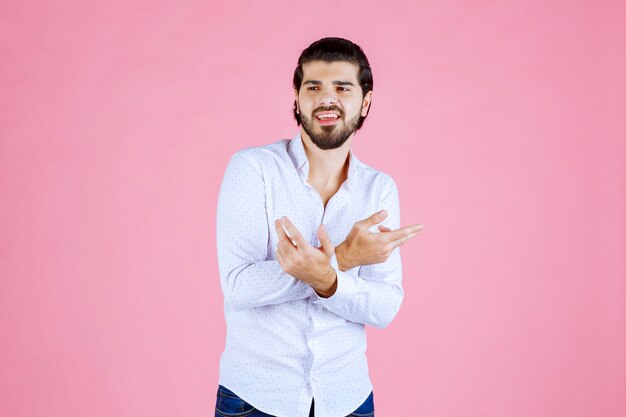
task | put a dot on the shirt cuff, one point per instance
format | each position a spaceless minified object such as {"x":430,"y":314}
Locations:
{"x":346,"y":287}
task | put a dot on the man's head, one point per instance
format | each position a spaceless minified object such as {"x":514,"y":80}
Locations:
{"x":333,"y":88}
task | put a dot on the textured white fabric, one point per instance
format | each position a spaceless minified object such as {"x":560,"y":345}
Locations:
{"x":286,"y":345}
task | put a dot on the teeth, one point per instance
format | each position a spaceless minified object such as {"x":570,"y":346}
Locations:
{"x":327,"y":116}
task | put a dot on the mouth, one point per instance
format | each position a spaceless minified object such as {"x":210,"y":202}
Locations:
{"x":327,"y":117}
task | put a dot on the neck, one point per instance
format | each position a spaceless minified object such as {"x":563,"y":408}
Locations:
{"x":327,"y":167}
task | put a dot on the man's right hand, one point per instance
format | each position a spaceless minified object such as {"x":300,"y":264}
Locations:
{"x":363,"y":247}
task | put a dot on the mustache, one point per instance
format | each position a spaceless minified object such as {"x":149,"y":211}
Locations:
{"x":330,"y":108}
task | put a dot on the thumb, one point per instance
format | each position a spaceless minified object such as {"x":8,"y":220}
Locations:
{"x":375,"y":218}
{"x":327,"y":246}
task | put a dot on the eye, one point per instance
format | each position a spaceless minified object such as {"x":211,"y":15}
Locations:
{"x":312,"y":87}
{"x":343,"y":89}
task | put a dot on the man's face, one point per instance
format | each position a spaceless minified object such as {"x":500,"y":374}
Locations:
{"x":330,"y":102}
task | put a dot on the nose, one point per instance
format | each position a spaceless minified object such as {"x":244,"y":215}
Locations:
{"x":328,"y":97}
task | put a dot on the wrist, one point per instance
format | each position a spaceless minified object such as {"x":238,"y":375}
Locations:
{"x":331,"y":285}
{"x":342,"y":261}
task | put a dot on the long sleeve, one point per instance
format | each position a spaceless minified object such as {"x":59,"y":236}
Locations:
{"x":374,"y":296}
{"x":247,"y":278}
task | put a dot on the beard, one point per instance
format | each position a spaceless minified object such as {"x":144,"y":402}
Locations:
{"x":332,"y":136}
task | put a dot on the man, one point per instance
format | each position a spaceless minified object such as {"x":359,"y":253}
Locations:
{"x":296,"y":305}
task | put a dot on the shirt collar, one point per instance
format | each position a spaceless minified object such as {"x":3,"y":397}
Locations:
{"x":301,"y":162}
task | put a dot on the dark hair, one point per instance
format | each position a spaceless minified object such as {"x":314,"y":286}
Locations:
{"x":334,"y":50}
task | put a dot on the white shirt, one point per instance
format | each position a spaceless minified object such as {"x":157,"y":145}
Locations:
{"x":285,"y":345}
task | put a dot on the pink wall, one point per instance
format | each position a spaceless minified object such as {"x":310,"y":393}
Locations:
{"x":502,"y":123}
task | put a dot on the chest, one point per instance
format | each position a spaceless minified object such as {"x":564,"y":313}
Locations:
{"x":325,"y":195}
{"x":307,"y":208}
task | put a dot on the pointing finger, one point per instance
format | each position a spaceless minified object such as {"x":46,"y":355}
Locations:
{"x":282,"y":236}
{"x":295,"y":234}
{"x":402,"y":232}
{"x":400,"y":241}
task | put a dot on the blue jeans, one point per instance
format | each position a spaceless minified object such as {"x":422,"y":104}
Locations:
{"x":230,"y":405}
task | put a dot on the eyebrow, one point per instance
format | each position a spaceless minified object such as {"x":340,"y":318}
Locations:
{"x":316,"y":82}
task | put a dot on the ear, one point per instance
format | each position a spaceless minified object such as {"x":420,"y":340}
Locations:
{"x":297,"y":103}
{"x":366,"y":103}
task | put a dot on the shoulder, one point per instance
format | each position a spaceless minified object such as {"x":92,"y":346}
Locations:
{"x":375,"y":179}
{"x":262,"y":156}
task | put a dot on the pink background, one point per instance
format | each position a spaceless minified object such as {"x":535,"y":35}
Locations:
{"x":502,"y":123}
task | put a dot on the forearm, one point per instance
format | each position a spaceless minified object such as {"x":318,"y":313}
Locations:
{"x":368,"y":292}
{"x":261,"y":283}
{"x":373,"y":299}
{"x":248,"y":276}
